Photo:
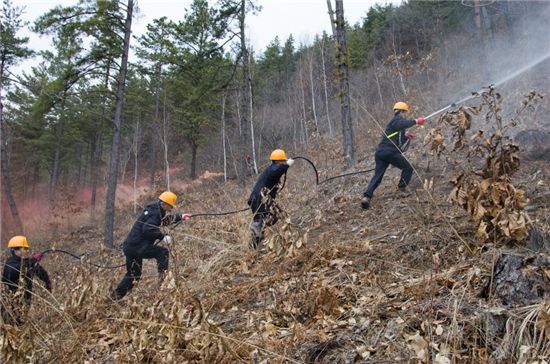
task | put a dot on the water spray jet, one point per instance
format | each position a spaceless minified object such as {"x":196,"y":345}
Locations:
{"x":499,"y":83}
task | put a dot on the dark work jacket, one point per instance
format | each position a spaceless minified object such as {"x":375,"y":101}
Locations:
{"x":399,"y":125}
{"x":146,"y":229}
{"x":14,"y":266}
{"x":269,"y":178}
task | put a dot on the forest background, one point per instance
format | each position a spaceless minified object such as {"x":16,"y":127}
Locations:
{"x":87,"y":122}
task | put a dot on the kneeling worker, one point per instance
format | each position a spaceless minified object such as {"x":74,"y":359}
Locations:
{"x":267,"y":184}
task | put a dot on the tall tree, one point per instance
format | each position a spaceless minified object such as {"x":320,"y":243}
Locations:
{"x":245,"y":95}
{"x":115,"y":148}
{"x":153,"y":51}
{"x":342,"y":66}
{"x":12,"y":50}
{"x":200,"y":72}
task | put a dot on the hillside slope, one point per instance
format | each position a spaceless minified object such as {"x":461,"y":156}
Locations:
{"x":402,"y":282}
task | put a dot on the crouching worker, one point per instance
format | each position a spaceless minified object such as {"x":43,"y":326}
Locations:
{"x":390,"y":151}
{"x":140,"y":242}
{"x":266,"y":185}
{"x":17,"y":277}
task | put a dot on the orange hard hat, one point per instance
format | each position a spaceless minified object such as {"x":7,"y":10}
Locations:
{"x":278,"y":155}
{"x":169,"y":198}
{"x":18,"y":241}
{"x":401,"y":106}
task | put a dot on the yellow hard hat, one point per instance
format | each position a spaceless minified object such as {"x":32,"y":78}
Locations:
{"x":169,"y":198}
{"x":278,"y":155}
{"x":18,"y":241}
{"x":401,"y":106}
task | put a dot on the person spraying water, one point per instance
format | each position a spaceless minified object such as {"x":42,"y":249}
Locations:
{"x":390,"y":151}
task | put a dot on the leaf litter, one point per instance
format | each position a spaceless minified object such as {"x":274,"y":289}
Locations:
{"x":332,"y":283}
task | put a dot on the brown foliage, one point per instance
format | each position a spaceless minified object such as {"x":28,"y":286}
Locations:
{"x":487,"y":162}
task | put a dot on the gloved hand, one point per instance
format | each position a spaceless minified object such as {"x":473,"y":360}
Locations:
{"x":37,"y":256}
{"x":290,"y":162}
{"x":409,"y":136}
{"x":167,"y":239}
{"x":185,"y":217}
{"x":420,"y":121}
{"x":49,"y":287}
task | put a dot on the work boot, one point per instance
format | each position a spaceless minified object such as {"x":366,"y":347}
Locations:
{"x":115,"y":296}
{"x":257,"y":235}
{"x":254,"y":242}
{"x":365,"y":203}
{"x":403,"y":192}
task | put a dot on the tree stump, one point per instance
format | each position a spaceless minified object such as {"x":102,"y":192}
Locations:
{"x":520,"y":280}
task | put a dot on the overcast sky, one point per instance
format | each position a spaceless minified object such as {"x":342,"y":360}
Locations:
{"x":301,"y":18}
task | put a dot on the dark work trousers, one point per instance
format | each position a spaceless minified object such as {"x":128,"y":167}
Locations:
{"x":258,"y":208}
{"x":134,"y":262}
{"x":383,"y":159}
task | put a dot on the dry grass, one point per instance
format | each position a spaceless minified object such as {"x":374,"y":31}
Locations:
{"x":333,"y":283}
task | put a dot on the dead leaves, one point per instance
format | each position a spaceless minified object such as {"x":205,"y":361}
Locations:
{"x":486,"y":190}
{"x":435,"y":140}
{"x":497,"y":207}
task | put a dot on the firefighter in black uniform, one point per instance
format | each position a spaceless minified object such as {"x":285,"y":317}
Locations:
{"x":140,"y":242}
{"x":390,"y":151}
{"x":17,"y":277}
{"x":267,"y":184}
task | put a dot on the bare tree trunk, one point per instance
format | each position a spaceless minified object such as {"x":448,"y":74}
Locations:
{"x":290,"y":116}
{"x":325,"y":84}
{"x":397,"y":63}
{"x":194,"y":148}
{"x":238,"y":106}
{"x":115,"y":150}
{"x":347,"y":127}
{"x":97,"y":151}
{"x":331,"y":17}
{"x":233,"y":157}
{"x":165,"y":145}
{"x":223,"y":140}
{"x":312,"y":91}
{"x":252,"y":123}
{"x":79,"y":170}
{"x":125,"y":161}
{"x":154,"y":125}
{"x":378,"y":87}
{"x":136,"y":149}
{"x":245,"y":95}
{"x":5,"y":178}
{"x":54,"y":180}
{"x":97,"y":146}
{"x":304,"y":116}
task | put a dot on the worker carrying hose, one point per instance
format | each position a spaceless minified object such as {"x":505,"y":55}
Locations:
{"x":264,"y":192}
{"x":20,"y":269}
{"x":140,"y":242}
{"x":390,"y":151}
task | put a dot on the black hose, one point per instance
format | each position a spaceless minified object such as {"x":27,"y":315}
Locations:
{"x":219,"y":213}
{"x":80,"y":258}
{"x":284,"y":184}
{"x":347,"y":174}
{"x":312,"y":165}
{"x":331,"y":178}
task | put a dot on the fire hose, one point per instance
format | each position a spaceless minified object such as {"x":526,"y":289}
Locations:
{"x":330,"y":178}
{"x":200,"y":214}
{"x":79,"y":257}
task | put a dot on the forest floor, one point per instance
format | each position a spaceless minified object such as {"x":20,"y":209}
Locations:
{"x":404,"y":281}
